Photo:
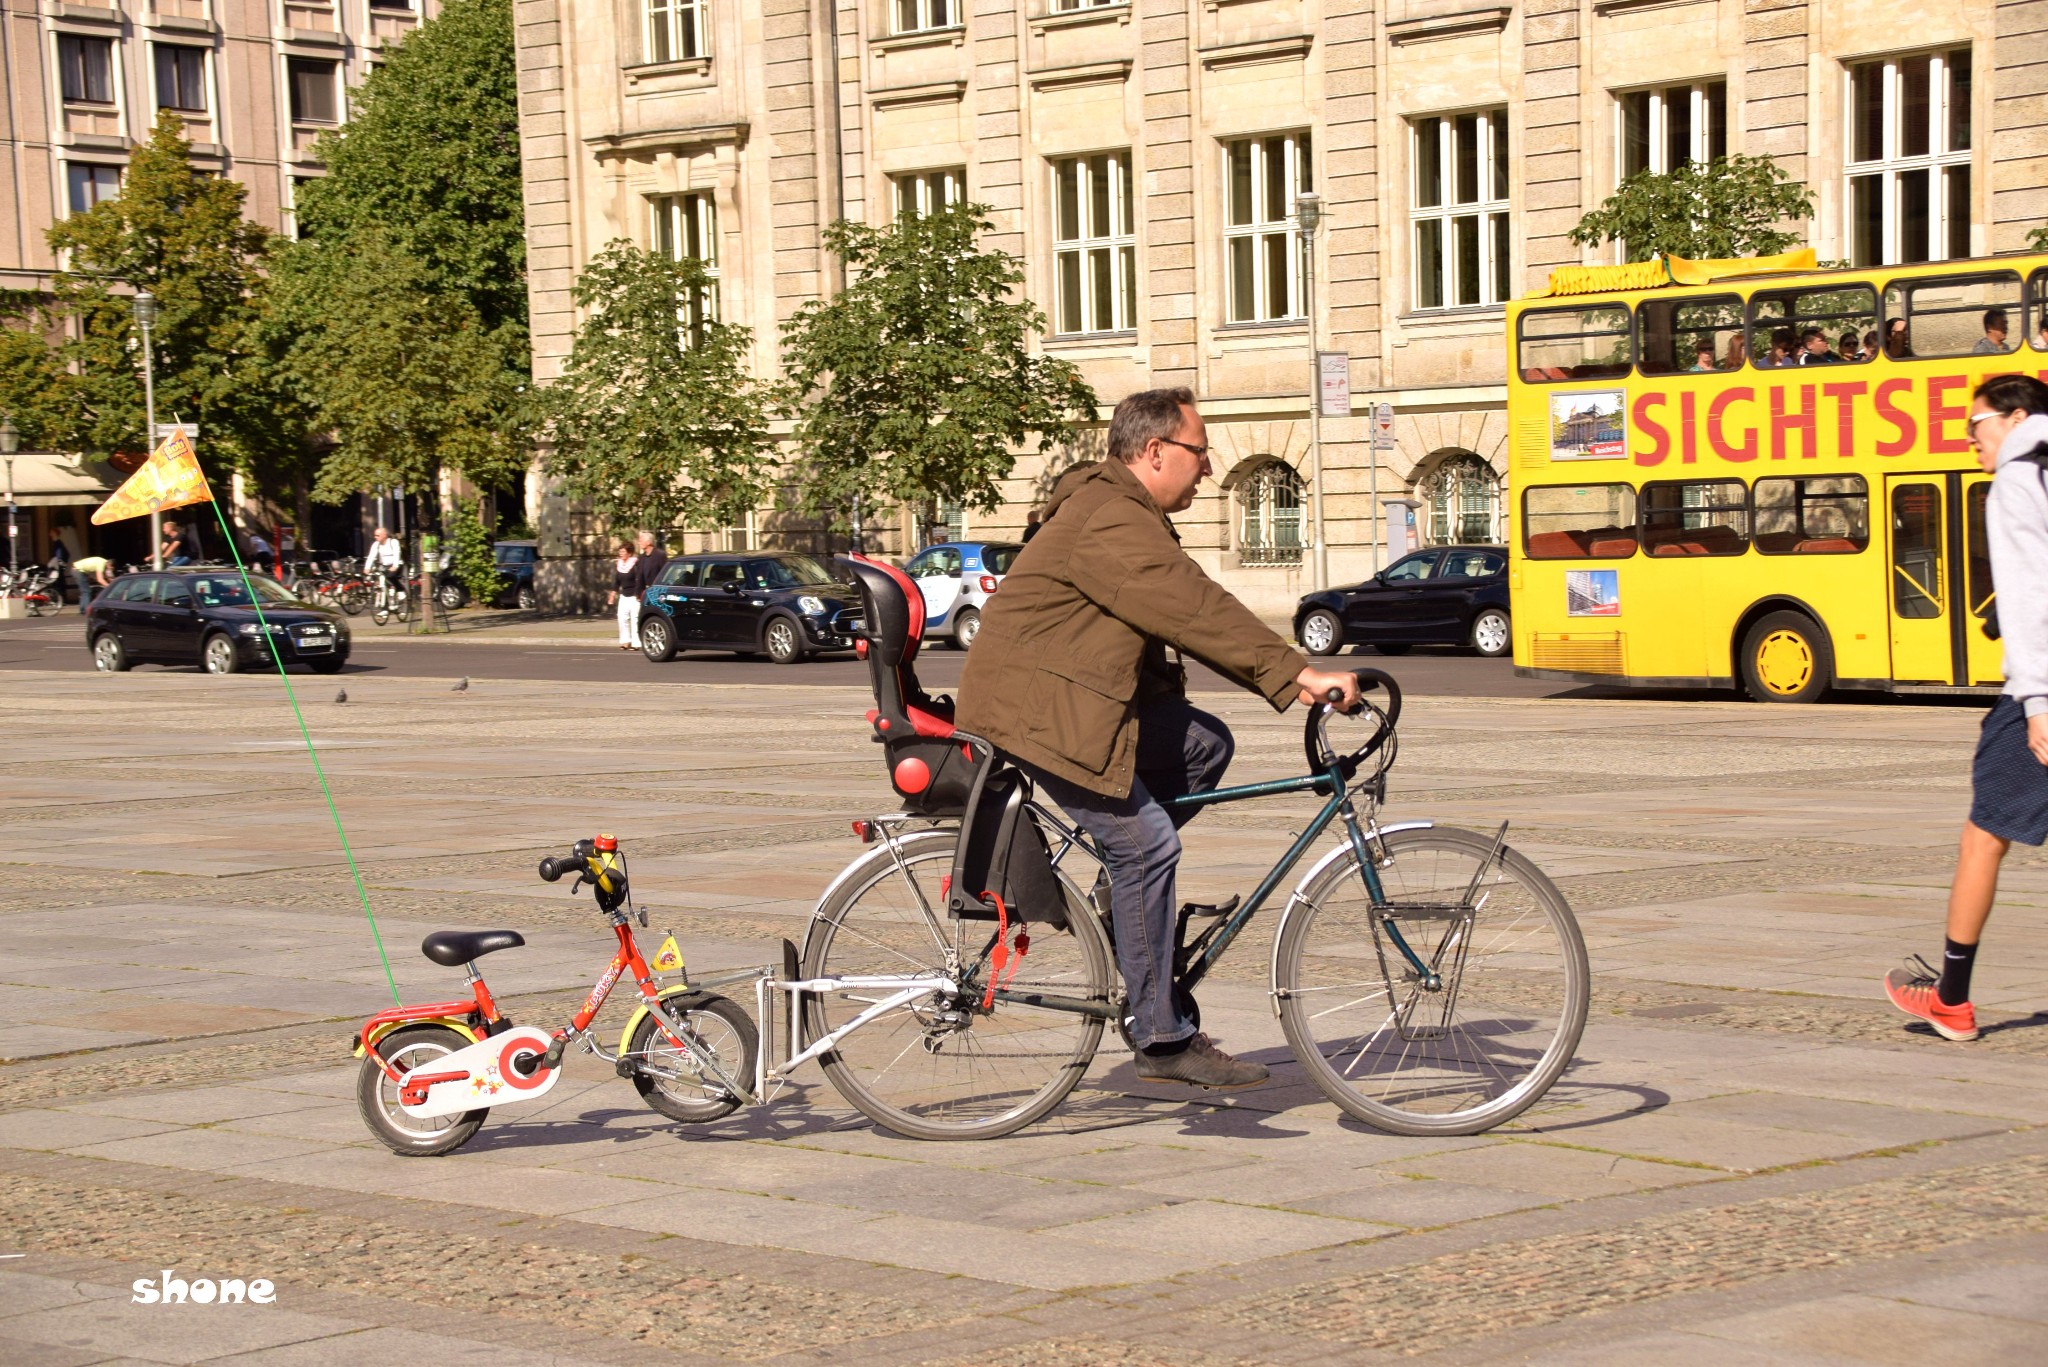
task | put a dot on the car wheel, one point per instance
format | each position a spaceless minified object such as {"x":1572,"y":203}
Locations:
{"x":1490,"y":634}
{"x":219,"y":655}
{"x":528,"y":599}
{"x":784,"y":640}
{"x":657,"y":638}
{"x":452,"y":596}
{"x":1321,"y":633}
{"x":109,"y":656}
{"x":1786,"y":657}
{"x":1394,"y":650}
{"x":966,"y":627}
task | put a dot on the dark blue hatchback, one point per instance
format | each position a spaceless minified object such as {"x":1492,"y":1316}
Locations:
{"x":781,"y":605}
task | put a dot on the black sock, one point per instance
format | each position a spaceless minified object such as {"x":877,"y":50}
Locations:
{"x":1168,"y":1048}
{"x":1956,"y":963}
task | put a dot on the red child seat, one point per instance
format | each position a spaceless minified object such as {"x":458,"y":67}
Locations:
{"x":931,"y":771}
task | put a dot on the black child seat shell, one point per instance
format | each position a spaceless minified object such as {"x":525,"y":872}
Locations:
{"x":940,"y":772}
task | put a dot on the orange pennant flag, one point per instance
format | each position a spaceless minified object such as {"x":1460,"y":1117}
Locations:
{"x":170,"y":478}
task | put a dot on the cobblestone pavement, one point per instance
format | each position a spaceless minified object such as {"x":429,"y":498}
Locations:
{"x":1753,"y":1160}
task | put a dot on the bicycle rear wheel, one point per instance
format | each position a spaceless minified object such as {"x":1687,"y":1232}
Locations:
{"x":939,"y":1067}
{"x":1461,"y":1059}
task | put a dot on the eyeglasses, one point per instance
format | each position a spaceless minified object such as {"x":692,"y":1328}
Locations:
{"x":1201,"y":451}
{"x":1976,"y":418}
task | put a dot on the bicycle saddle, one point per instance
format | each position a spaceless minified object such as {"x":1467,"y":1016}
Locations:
{"x":453,"y":948}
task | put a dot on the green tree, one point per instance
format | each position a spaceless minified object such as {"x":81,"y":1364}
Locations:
{"x":916,"y":383}
{"x":1734,"y":206}
{"x":36,"y":391}
{"x":656,"y":420}
{"x":430,"y":158}
{"x":475,"y":564}
{"x":181,"y":236}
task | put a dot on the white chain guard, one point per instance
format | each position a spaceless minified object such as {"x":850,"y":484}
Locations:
{"x":488,"y":1078}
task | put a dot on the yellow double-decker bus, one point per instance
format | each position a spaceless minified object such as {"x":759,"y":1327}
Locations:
{"x":1759,"y":474}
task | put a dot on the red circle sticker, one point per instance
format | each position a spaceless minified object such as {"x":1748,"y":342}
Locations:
{"x":512,"y":1050}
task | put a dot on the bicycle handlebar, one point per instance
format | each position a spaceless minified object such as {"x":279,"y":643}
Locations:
{"x":1317,"y":746}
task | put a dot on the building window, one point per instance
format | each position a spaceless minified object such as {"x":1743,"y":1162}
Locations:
{"x":1095,"y":256}
{"x":920,"y":16}
{"x":1909,"y":159}
{"x":1261,"y":178}
{"x":1073,"y":6}
{"x":1269,"y":516}
{"x":686,"y":228}
{"x":925,"y":192}
{"x":405,"y":5}
{"x":180,"y":78}
{"x":86,"y":68}
{"x":293,"y":221}
{"x":91,"y":184}
{"x":1661,"y":130}
{"x":312,"y":90}
{"x":1463,"y":497}
{"x":1461,"y":210}
{"x":675,"y":30}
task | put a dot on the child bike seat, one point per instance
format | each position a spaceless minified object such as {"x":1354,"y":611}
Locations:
{"x":453,"y":948}
{"x":931,"y":767}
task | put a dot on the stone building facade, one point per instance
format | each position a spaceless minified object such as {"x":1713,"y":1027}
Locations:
{"x":255,"y":81}
{"x":1142,"y":159}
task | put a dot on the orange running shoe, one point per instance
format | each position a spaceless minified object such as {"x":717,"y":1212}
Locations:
{"x":1912,"y":990}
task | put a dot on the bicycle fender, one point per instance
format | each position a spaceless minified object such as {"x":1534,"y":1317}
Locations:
{"x":673,"y":995}
{"x":1294,"y":900}
{"x":484,"y":1075}
{"x":460,"y":1027}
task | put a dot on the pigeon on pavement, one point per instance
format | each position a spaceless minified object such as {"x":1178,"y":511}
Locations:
{"x":462,"y":686}
{"x":341,"y":696}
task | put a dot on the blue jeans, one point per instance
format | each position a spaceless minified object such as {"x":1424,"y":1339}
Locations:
{"x":1181,"y":749}
{"x":86,"y":589}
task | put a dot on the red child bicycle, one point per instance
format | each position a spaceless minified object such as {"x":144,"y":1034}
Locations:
{"x":431,"y":1073}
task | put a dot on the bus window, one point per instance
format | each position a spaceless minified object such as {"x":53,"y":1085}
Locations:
{"x":1812,"y":326}
{"x":1820,"y":515}
{"x":1585,"y":343}
{"x":1678,"y":335}
{"x":1957,"y":315}
{"x":1579,"y":522}
{"x":1696,"y":517}
{"x":2037,"y":309}
{"x":1977,"y":565}
{"x":1916,"y":551}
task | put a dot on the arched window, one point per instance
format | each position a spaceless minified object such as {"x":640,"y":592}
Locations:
{"x":1463,"y":495}
{"x":1269,"y":503}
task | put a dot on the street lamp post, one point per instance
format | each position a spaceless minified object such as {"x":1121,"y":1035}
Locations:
{"x":145,"y":318}
{"x":1308,"y":216}
{"x":10,"y":442}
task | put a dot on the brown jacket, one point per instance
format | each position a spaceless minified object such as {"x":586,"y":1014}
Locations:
{"x":1076,"y":636}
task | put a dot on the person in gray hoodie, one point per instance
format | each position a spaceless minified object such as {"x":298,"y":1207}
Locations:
{"x":2009,"y":777}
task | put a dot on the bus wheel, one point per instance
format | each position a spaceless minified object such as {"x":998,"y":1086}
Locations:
{"x":1786,"y":658}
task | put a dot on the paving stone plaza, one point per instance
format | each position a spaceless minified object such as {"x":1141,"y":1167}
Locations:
{"x":1753,"y":1160}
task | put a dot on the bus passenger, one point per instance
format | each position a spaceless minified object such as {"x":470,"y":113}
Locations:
{"x":1870,"y":345}
{"x":1851,"y":346}
{"x":1992,"y":343}
{"x":1813,"y":348}
{"x":1895,"y":344}
{"x":2009,"y":777}
{"x":1703,"y":354}
{"x":1738,"y":349}
{"x":1780,"y":354}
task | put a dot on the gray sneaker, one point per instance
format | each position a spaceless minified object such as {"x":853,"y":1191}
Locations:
{"x":1201,"y":1064}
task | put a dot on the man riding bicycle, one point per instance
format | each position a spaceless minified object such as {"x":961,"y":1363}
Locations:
{"x":1071,"y":679}
{"x":386,"y":563}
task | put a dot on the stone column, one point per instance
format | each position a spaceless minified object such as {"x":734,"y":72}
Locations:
{"x":788,"y":75}
{"x":2018,"y":144}
{"x":998,"y":121}
{"x":1350,"y":284}
{"x":1168,"y":190}
{"x":1776,"y":39}
{"x":1551,"y":153}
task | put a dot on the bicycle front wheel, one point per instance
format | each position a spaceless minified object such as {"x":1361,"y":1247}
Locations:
{"x":939,"y":1066}
{"x":1476,"y":1050}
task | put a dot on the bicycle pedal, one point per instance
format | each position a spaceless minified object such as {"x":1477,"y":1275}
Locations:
{"x":1195,"y":910}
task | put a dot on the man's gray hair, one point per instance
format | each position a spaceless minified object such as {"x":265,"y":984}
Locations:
{"x":1145,"y":417}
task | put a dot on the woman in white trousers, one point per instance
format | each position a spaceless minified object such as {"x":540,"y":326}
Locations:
{"x":626,"y":594}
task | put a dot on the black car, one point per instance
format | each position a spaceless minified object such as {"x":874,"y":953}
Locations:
{"x":516,"y":561}
{"x":1450,"y":596}
{"x":204,"y":617}
{"x":786,"y":606}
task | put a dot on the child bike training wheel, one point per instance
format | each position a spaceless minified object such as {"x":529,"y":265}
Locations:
{"x":377,"y":1095}
{"x":940,"y":1066}
{"x":674,"y":1080}
{"x":1459,"y":1056}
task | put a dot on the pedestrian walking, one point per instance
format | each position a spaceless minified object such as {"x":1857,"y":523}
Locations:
{"x":2009,"y":777}
{"x":93,"y":573}
{"x":653,"y":557}
{"x":626,"y":587}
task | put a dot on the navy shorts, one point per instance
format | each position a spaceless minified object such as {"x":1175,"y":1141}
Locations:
{"x":2009,"y":786}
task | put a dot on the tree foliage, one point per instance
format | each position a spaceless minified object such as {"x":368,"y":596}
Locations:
{"x":474,"y":563}
{"x":916,"y":383}
{"x":36,"y":391}
{"x":655,"y":421}
{"x":1733,"y":206}
{"x":180,"y":235}
{"x":430,"y":158}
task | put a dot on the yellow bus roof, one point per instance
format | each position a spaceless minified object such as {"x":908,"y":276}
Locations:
{"x":1660,"y":271}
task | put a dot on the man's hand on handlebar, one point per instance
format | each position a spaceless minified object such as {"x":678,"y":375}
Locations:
{"x":1316,"y":685}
